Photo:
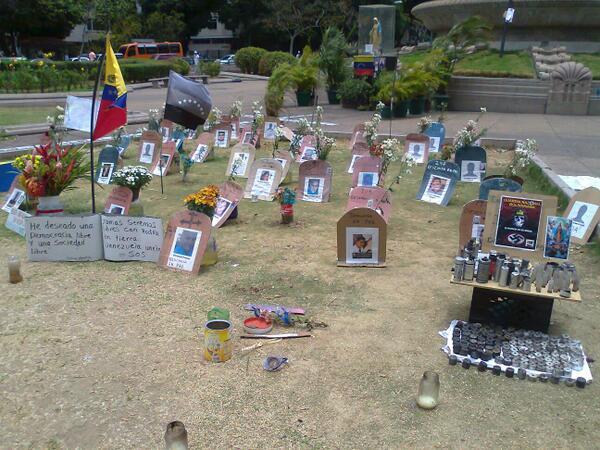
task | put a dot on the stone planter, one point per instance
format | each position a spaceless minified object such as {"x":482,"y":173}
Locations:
{"x":304,"y":98}
{"x":401,"y":108}
{"x":332,"y":97}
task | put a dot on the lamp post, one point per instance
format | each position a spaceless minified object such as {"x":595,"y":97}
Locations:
{"x":508,"y":18}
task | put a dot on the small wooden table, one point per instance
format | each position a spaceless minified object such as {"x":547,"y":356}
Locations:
{"x":491,"y":303}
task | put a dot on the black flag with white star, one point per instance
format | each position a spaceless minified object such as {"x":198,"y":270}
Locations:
{"x":188,"y":102}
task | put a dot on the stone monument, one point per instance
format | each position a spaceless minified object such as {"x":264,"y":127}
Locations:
{"x":570,"y":90}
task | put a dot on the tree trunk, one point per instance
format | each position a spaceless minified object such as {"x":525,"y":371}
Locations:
{"x":292,"y":39}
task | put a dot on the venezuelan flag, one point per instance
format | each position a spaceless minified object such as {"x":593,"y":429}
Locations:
{"x":113,"y":106}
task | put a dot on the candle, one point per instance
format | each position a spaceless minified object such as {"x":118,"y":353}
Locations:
{"x":14,"y":270}
{"x":429,"y":390}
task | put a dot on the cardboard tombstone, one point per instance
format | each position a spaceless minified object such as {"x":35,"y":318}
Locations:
{"x":185,"y":241}
{"x":241,"y":159}
{"x":437,"y":134}
{"x":108,"y":160}
{"x":268,"y":130}
{"x":15,"y":197}
{"x":118,"y":201}
{"x":150,"y":144}
{"x":308,"y":149}
{"x":165,"y":160}
{"x":285,"y":159}
{"x":166,"y":129}
{"x":287,"y":133}
{"x":417,"y":146}
{"x":376,"y":198}
{"x":123,"y":143}
{"x":230,"y":194}
{"x":366,"y":171}
{"x":234,"y":129}
{"x":358,"y":134}
{"x":361,"y":238}
{"x":222,"y":132}
{"x":497,"y":184}
{"x":204,"y":145}
{"x":516,"y":223}
{"x":179,"y":134}
{"x":471,"y":161}
{"x":584,"y":212}
{"x":314,"y":181}
{"x":8,"y":174}
{"x":263,"y":179}
{"x":472,"y":221}
{"x":359,"y":150}
{"x":439,"y":182}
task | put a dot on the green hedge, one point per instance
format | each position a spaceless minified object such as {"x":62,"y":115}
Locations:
{"x":212,"y":69}
{"x":270,"y":60}
{"x":247,"y":59}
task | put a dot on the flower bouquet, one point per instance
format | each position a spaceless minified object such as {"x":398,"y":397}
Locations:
{"x":522,"y":157}
{"x":258,"y":119}
{"x":48,"y":171}
{"x":470,"y":133}
{"x":286,"y":198}
{"x":132,"y":177}
{"x":204,"y":201}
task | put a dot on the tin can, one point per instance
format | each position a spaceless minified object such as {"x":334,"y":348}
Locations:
{"x":469,"y":270}
{"x":483,"y":272}
{"x":217,"y":340}
{"x":459,"y":268}
{"x":503,"y":279}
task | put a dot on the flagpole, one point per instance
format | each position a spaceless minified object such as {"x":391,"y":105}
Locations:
{"x":100,"y":64}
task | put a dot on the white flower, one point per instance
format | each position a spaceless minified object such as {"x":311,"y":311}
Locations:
{"x":483,"y":109}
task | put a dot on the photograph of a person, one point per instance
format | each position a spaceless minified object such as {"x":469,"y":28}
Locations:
{"x":434,"y":144}
{"x":221,"y":138}
{"x":436,"y":189}
{"x":416,"y":150}
{"x":582,"y":215}
{"x":265,"y":175}
{"x":247,"y":138}
{"x":222,"y":205}
{"x":233,"y":129}
{"x":263,"y":182}
{"x":162,"y":164}
{"x":184,"y":249}
{"x":116,"y":209}
{"x":368,"y":179}
{"x":354,"y":159}
{"x":313,"y":189}
{"x":470,"y":171}
{"x":14,"y":200}
{"x":200,"y":153}
{"x":308,"y":154}
{"x":362,"y":245}
{"x":165,"y":132}
{"x":269,"y":132}
{"x":106,"y":170}
{"x":147,"y":154}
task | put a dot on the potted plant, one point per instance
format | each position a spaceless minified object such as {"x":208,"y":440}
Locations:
{"x":48,"y":171}
{"x":286,"y":198}
{"x":132,"y":177}
{"x":205,"y":201}
{"x":332,"y":55}
{"x":355,"y":93}
{"x":304,"y":77}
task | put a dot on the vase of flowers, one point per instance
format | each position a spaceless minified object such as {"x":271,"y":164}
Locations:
{"x":132,"y":177}
{"x":47,"y":172}
{"x":205,"y":201}
{"x":286,"y":198}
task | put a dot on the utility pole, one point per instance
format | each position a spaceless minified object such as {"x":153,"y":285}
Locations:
{"x":508,"y":18}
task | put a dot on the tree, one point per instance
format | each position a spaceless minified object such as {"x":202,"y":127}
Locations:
{"x":33,"y":18}
{"x":295,"y":17}
{"x":248,"y":17}
{"x":164,"y":27}
{"x":109,"y":13}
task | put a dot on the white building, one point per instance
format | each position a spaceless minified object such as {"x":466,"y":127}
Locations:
{"x":214,"y":41}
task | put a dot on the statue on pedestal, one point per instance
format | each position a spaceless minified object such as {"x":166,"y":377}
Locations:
{"x":375,"y":36}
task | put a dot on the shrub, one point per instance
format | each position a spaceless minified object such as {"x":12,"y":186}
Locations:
{"x":270,"y":60}
{"x":355,"y":92}
{"x":247,"y":59}
{"x":212,"y":69}
{"x":332,"y":58}
{"x":273,"y":100}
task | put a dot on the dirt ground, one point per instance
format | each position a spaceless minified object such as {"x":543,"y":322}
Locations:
{"x":104,"y":355}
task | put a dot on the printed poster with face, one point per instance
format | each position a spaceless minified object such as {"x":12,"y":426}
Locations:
{"x":184,"y":249}
{"x":14,"y":199}
{"x":230,"y":194}
{"x":471,"y":171}
{"x":118,"y":201}
{"x":362,"y":245}
{"x":105,"y":172}
{"x":240,"y":160}
{"x":314,"y":181}
{"x":163,"y":163}
{"x":558,"y":237}
{"x":263,"y":182}
{"x":436,"y":133}
{"x":582,"y":215}
{"x":313,"y":189}
{"x":518,"y":223}
{"x":366,"y":171}
{"x":269,"y":130}
{"x":147,"y":154}
{"x":417,"y":147}
{"x":436,"y":189}
{"x":264,"y":178}
{"x":438,"y":183}
{"x":222,"y":138}
{"x":150,"y":144}
{"x":361,"y":238}
{"x":308,"y":149}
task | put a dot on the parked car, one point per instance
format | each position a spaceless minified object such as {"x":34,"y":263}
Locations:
{"x":81,"y":58}
{"x":227,"y":59}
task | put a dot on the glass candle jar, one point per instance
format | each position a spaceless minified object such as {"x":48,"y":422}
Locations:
{"x":429,"y":390}
{"x":14,"y":270}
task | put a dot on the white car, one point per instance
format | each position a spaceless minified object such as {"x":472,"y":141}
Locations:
{"x":228,"y":59}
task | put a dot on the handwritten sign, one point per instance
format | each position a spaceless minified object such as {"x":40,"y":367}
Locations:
{"x":132,"y":238}
{"x":66,"y":238}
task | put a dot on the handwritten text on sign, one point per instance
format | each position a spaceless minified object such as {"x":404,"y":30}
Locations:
{"x":132,"y":238}
{"x":72,"y":238}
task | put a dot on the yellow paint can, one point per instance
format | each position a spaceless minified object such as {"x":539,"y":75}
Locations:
{"x":217,"y":340}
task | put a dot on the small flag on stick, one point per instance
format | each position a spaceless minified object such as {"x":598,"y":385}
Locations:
{"x":188,"y":102}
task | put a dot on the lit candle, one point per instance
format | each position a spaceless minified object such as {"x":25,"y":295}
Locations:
{"x":14,"y":270}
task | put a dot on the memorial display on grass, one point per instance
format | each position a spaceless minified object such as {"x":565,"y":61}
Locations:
{"x":166,"y":129}
{"x":150,"y":145}
{"x":584,"y":213}
{"x":417,"y":147}
{"x":204,"y":145}
{"x":270,"y":125}
{"x":471,"y":161}
{"x":134,"y":178}
{"x":439,"y":182}
{"x":286,"y":198}
{"x":162,"y":164}
{"x":375,"y":198}
{"x":366,"y":171}
{"x":315,"y":180}
{"x":263,"y":179}
{"x":235,"y":113}
{"x":118,"y":201}
{"x":230,"y":194}
{"x":258,"y":119}
{"x":308,"y":149}
{"x":361,"y":238}
{"x":359,"y":150}
{"x":358,"y":135}
{"x":108,"y":160}
{"x":241,"y":159}
{"x":436,"y":132}
{"x":15,"y":221}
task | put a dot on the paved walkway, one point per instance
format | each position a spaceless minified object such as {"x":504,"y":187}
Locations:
{"x":570,"y":145}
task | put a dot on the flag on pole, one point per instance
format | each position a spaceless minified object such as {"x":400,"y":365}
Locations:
{"x":113,"y":106}
{"x":188,"y":102}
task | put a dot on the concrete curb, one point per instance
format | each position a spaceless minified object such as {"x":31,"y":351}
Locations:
{"x":243,"y":75}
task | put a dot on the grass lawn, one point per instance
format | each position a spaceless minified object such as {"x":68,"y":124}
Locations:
{"x":105,"y":354}
{"x":591,"y":60}
{"x":25,"y":115}
{"x":487,"y":63}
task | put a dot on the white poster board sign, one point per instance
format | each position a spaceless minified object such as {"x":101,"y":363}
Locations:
{"x":132,"y":238}
{"x":64,"y":238}
{"x":16,"y":221}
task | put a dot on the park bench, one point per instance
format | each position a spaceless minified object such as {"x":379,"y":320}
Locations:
{"x":162,"y":82}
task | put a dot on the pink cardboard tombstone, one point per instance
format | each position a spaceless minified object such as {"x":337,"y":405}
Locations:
{"x":359,"y":150}
{"x":264,"y":179}
{"x":308,"y":150}
{"x":366,"y":171}
{"x":166,"y":129}
{"x":361,"y":239}
{"x":287,"y":133}
{"x":185,"y":241}
{"x":150,"y":144}
{"x":165,"y":160}
{"x":468,"y":229}
{"x":230,"y":194}
{"x":358,"y":134}
{"x":246,"y":136}
{"x":285,"y":158}
{"x":241,"y":159}
{"x":314,"y":183}
{"x":375,"y":198}
{"x":119,"y":201}
{"x":417,"y":146}
{"x":204,"y":145}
